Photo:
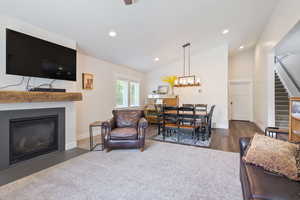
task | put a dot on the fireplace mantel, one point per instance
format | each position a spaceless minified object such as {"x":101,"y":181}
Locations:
{"x":28,"y":97}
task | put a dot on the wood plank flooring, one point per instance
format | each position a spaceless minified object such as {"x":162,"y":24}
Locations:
{"x":225,"y":140}
{"x":228,"y":140}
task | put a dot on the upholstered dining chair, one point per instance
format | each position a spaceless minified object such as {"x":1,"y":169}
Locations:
{"x":127,"y":129}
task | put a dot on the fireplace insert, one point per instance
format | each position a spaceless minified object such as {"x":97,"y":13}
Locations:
{"x":31,"y":137}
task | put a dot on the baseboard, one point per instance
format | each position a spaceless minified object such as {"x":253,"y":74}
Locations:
{"x":221,"y":125}
{"x":71,"y":145}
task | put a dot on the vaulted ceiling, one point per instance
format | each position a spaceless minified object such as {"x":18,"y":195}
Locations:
{"x":148,"y":28}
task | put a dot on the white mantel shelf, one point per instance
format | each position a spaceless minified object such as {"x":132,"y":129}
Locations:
{"x":29,"y":97}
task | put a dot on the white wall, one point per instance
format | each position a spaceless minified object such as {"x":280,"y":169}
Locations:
{"x":99,"y":102}
{"x":212,"y":68}
{"x":241,"y":65}
{"x":96,"y":105}
{"x":284,"y":17}
{"x":241,"y":71}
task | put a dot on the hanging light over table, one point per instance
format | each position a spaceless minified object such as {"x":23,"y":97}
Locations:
{"x":187,"y":80}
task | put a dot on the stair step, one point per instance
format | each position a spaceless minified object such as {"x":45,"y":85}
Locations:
{"x":282,"y":124}
{"x":281,"y":98}
{"x":279,"y":87}
{"x":281,"y":103}
{"x":284,"y":97}
{"x":280,"y":90}
{"x":281,"y":93}
{"x":282,"y":118}
{"x":281,"y":107}
{"x":282,"y":112}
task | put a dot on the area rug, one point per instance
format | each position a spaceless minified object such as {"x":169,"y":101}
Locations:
{"x":184,"y":138}
{"x":163,"y":171}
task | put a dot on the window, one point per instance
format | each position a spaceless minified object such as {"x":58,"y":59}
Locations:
{"x":122,"y":93}
{"x":134,"y":94}
{"x":127,"y":93}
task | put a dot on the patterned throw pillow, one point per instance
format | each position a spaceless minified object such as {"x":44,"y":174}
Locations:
{"x":275,"y":156}
{"x":298,"y":160}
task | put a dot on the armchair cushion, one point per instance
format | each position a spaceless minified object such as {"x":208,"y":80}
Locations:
{"x":127,"y":118}
{"x":123,"y":134}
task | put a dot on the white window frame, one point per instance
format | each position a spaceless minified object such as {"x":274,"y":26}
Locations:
{"x":128,"y":92}
{"x":139,"y":95}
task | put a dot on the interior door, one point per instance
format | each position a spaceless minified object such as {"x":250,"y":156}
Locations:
{"x":240,"y":101}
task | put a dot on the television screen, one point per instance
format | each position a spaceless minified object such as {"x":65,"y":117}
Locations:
{"x":30,"y":56}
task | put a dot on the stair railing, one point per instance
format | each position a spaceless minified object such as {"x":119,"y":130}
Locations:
{"x":287,"y":80}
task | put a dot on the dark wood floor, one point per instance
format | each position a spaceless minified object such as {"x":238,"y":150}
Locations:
{"x":228,"y":140}
{"x":225,"y":140}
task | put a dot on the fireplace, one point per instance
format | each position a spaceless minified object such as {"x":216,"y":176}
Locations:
{"x":32,"y":136}
{"x":29,"y":133}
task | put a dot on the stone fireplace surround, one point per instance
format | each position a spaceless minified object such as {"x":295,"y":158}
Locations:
{"x":7,"y":115}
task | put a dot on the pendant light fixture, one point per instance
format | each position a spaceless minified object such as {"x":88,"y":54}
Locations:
{"x":187,"y":80}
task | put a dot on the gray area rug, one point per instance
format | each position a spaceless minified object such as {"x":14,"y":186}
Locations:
{"x":163,"y":171}
{"x":185,"y":139}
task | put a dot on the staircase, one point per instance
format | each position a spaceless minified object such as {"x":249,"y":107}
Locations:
{"x":281,"y":104}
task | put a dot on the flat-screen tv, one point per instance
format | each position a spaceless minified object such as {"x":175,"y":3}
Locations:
{"x":34,"y":57}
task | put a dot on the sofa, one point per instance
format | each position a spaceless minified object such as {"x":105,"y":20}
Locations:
{"x":258,"y":184}
{"x":127,"y":129}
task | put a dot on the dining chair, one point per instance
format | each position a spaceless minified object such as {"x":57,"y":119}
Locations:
{"x":188,"y":105}
{"x":201,"y":108}
{"x":159,"y":116}
{"x":169,"y":120}
{"x":206,"y":127}
{"x":188,"y":120}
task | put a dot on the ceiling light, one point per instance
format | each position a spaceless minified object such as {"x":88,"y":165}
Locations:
{"x":112,"y":33}
{"x":225,"y":31}
{"x":242,"y":47}
{"x":187,"y":80}
{"x":156,"y":59}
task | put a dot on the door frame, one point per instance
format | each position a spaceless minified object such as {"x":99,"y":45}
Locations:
{"x":250,"y":83}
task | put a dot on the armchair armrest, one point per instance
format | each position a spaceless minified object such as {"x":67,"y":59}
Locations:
{"x":143,"y":123}
{"x":108,"y":125}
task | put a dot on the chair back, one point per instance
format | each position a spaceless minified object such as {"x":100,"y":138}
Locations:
{"x":127,"y":117}
{"x":170,"y":114}
{"x":201,"y":108}
{"x":210,"y":115}
{"x":188,"y":105}
{"x":187,"y":114}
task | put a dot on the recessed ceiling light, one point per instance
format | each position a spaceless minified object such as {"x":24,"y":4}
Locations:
{"x":112,"y":33}
{"x":156,"y":59}
{"x":225,"y":31}
{"x":242,"y":47}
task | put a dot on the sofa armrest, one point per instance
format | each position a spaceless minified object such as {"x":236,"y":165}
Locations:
{"x":244,"y":142}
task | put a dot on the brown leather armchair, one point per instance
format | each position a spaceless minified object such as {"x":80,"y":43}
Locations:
{"x":127,"y":129}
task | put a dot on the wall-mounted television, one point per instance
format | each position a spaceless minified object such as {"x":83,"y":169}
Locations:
{"x":34,"y":57}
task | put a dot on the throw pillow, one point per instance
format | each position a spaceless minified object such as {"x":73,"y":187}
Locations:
{"x":274,"y":155}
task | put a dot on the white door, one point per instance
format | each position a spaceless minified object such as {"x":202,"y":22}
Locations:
{"x":241,"y":101}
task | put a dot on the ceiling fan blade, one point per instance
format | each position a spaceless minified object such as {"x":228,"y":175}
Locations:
{"x":128,"y":2}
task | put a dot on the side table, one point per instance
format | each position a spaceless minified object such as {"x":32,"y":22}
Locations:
{"x":102,"y":135}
